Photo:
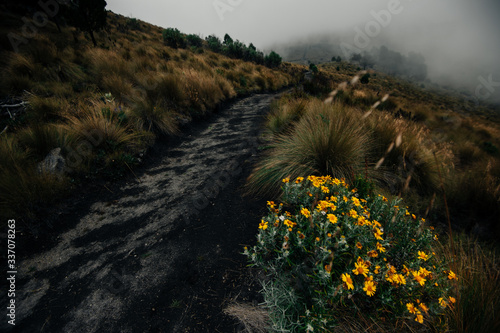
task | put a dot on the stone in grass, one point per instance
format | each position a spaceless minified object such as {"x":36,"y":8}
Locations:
{"x":53,"y":163}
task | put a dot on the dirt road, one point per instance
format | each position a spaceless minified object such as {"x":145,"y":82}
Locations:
{"x":159,"y":251}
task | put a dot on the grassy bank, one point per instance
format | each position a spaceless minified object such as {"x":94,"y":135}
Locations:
{"x":423,"y":151}
{"x":104,"y":106}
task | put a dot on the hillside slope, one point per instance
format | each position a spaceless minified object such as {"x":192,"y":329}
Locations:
{"x":102,"y":106}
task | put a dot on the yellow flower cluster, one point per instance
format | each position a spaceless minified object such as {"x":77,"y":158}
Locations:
{"x":326,"y":212}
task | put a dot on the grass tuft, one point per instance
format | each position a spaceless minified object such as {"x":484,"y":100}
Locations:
{"x":326,"y":140}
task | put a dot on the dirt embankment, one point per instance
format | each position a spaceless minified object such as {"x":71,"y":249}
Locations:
{"x":159,"y":251}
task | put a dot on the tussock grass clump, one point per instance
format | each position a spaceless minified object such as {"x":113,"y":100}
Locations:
{"x":42,"y":109}
{"x":328,"y":139}
{"x":40,"y":139}
{"x":100,"y":127}
{"x":413,"y":157}
{"x":254,"y":319}
{"x":154,"y":118}
{"x":283,"y":114}
{"x":474,"y":196}
{"x":478,"y":301}
{"x":203,"y":91}
{"x":22,"y":188}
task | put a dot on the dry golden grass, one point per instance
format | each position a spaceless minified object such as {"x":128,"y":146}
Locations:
{"x":124,"y":91}
{"x":477,"y":294}
{"x":254,"y":319}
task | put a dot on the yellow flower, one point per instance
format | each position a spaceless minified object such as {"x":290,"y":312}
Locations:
{"x":419,"y":278}
{"x":360,"y":267}
{"x":333,"y":199}
{"x":345,"y":199}
{"x":422,"y":256}
{"x":271,"y":204}
{"x":442,"y":302}
{"x":332,"y":218}
{"x":423,"y":307}
{"x":353,"y":213}
{"x":377,"y":268}
{"x":370,"y":288}
{"x":380,"y":248}
{"x":452,"y":276}
{"x":384,"y":199}
{"x":401,"y":279}
{"x":372,"y":254}
{"x":286,"y":180}
{"x":362,"y":221}
{"x":452,"y":300}
{"x":356,"y":202}
{"x":413,"y":216}
{"x":346,"y":278}
{"x":359,"y":246}
{"x":378,"y":233}
{"x":424,"y":272}
{"x":325,"y":189}
{"x":419,"y":318}
{"x":411,"y":308}
{"x":299,"y":180}
{"x":305,"y":212}
{"x":336,"y":181}
{"x":289,"y":223}
{"x":263,"y":225}
{"x":317,"y":239}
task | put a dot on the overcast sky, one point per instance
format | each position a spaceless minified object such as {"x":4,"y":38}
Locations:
{"x":452,"y":34}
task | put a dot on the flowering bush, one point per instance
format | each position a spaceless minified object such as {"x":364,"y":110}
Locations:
{"x":329,"y":251}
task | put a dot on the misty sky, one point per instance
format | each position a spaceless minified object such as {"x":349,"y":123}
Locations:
{"x":458,"y":37}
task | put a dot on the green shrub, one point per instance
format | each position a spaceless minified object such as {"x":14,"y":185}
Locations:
{"x":133,"y":24}
{"x":330,"y":253}
{"x":272,"y":60}
{"x":194,"y":40}
{"x":173,"y":38}
{"x":214,"y":43}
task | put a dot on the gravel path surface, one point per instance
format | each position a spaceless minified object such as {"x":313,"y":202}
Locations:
{"x":159,"y":251}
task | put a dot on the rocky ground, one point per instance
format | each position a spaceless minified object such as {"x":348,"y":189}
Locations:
{"x":159,"y":251}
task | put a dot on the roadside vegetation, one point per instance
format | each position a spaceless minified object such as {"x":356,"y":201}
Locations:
{"x":435,"y":158}
{"x":104,"y":105}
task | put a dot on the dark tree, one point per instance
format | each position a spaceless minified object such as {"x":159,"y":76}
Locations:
{"x":174,"y":38}
{"x":214,"y":43}
{"x":313,"y":68}
{"x":228,"y":40}
{"x":89,"y":16}
{"x":272,"y":60}
{"x":366,"y":60}
{"x":194,"y":40}
{"x":356,"y":57}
